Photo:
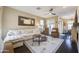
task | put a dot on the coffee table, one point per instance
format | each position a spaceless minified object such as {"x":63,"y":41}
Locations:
{"x":39,"y":38}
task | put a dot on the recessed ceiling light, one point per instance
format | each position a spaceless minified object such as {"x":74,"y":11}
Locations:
{"x":38,"y":8}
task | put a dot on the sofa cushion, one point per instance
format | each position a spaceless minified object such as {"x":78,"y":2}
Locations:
{"x":26,"y":31}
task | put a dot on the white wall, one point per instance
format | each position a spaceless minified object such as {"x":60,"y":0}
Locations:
{"x":10,"y":20}
{"x":1,"y":10}
{"x":1,"y":42}
{"x":0,"y":21}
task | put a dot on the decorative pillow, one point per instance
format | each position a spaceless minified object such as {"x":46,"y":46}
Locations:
{"x":19,"y":32}
{"x":12,"y":33}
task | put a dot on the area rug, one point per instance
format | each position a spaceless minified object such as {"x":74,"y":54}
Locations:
{"x":49,"y":46}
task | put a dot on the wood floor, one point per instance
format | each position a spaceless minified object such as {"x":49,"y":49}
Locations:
{"x":22,"y":49}
{"x":67,"y":47}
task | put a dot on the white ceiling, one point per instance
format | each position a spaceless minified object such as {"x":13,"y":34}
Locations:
{"x":67,"y":11}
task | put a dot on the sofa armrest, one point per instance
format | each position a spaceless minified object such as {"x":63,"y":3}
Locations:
{"x":8,"y":47}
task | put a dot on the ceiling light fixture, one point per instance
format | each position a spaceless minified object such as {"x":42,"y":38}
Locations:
{"x":38,"y":8}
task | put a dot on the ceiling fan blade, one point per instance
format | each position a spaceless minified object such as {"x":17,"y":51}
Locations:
{"x":53,"y":13}
{"x":51,"y":10}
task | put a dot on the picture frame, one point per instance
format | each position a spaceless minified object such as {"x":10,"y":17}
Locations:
{"x":26,"y":21}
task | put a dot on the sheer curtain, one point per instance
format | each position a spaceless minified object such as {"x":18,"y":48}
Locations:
{"x":60,"y":25}
{"x":50,"y":24}
{"x":70,"y":24}
{"x":41,"y":26}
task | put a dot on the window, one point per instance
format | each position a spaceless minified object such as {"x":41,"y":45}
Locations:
{"x":41,"y":25}
{"x":50,"y":24}
{"x":70,"y":24}
{"x":41,"y":22}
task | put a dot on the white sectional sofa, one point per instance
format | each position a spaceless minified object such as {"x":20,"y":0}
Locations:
{"x":1,"y":45}
{"x":17,"y":36}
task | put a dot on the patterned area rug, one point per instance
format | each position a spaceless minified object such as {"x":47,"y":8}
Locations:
{"x":49,"y":46}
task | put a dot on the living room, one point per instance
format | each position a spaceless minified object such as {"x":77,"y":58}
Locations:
{"x":33,"y":20}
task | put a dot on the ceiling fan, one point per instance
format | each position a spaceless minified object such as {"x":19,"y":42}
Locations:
{"x":51,"y":12}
